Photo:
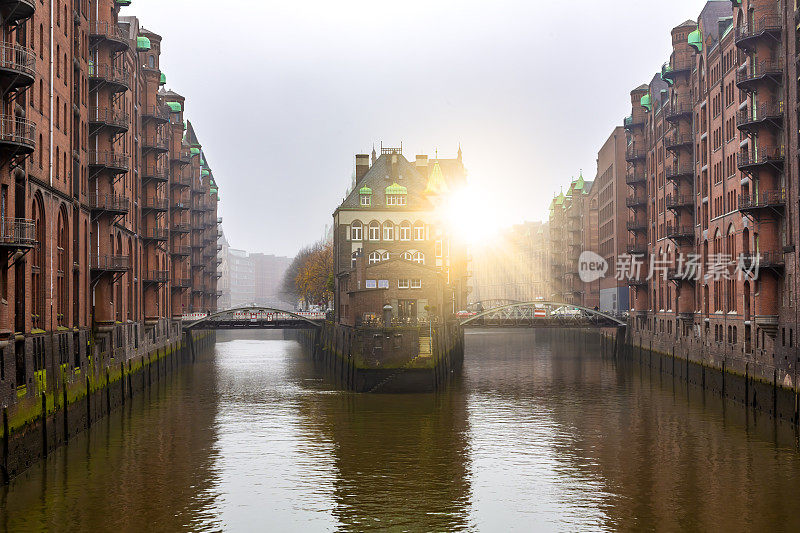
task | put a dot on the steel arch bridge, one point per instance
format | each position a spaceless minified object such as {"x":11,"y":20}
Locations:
{"x":255,"y":317}
{"x":542,"y":314}
{"x":483,"y":305}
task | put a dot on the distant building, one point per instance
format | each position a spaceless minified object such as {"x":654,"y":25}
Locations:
{"x":251,"y":279}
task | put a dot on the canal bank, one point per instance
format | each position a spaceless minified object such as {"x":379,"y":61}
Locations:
{"x":72,"y":399}
{"x":737,"y":377}
{"x":386,"y":360}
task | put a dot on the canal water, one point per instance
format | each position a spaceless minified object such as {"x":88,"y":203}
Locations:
{"x":539,"y":433}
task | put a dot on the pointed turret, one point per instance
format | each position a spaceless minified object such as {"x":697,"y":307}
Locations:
{"x":436,"y":182}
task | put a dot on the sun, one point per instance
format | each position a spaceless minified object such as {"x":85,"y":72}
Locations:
{"x":471,"y":217}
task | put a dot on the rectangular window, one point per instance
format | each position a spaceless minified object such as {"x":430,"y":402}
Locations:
{"x":388,"y":233}
{"x":416,"y":283}
{"x":371,"y":284}
{"x":405,"y":233}
{"x":403,"y":284}
{"x":356,"y":232}
{"x":366,"y":200}
{"x":374,"y":233}
{"x":383,"y":283}
{"x":419,"y":233}
{"x":438,"y":249}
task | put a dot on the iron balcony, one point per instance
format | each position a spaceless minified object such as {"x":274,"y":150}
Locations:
{"x":17,"y":233}
{"x":679,"y":232}
{"x":116,"y":78}
{"x":154,"y":234}
{"x":678,"y":110}
{"x":770,"y":259}
{"x":180,"y":206}
{"x":673,"y":274}
{"x":111,"y":161}
{"x":636,"y":226}
{"x":766,"y":27}
{"x":115,"y":120}
{"x":749,"y":77}
{"x":181,"y":283}
{"x":678,"y":171}
{"x":15,"y":11}
{"x":156,"y":113}
{"x":156,"y":276}
{"x":110,"y":204}
{"x":763,"y":200}
{"x":101,"y":263}
{"x":637,"y":282}
{"x":17,"y":135}
{"x":631,"y":122}
{"x":182,"y":156}
{"x":637,"y":249}
{"x":677,"y":141}
{"x":680,"y":201}
{"x":17,"y":66}
{"x":181,"y":251}
{"x":636,"y":201}
{"x":678,"y":66}
{"x":751,"y":120}
{"x":181,"y":229}
{"x":155,"y":173}
{"x":749,"y":162}
{"x":155,"y":204}
{"x":632,"y":155}
{"x":155,"y":143}
{"x":181,"y":182}
{"x":109,"y":32}
{"x":635,"y":177}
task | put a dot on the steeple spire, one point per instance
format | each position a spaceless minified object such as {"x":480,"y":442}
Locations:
{"x":459,"y":152}
{"x":374,"y":156}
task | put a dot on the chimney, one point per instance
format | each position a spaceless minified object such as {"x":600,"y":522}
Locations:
{"x":362,"y":166}
{"x":422,"y":165}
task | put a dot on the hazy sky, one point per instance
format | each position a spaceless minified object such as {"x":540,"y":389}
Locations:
{"x":283,"y":94}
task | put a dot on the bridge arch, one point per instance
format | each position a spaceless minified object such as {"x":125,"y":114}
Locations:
{"x":229,"y":316}
{"x":555,"y":313}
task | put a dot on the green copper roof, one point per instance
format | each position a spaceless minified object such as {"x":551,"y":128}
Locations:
{"x":560,"y":199}
{"x":163,"y":80}
{"x":195,"y":151}
{"x":205,"y":173}
{"x":365,"y":190}
{"x":696,"y":40}
{"x":395,"y":188}
{"x":123,"y":2}
{"x":143,"y":44}
{"x":213,"y":190}
{"x":579,"y":183}
{"x":202,"y":162}
{"x":647,"y":102}
{"x":176,"y":107}
{"x":666,"y":74}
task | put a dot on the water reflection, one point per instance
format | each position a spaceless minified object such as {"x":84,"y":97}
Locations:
{"x":540,"y":432}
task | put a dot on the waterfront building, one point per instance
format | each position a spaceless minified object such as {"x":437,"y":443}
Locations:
{"x":712,"y":154}
{"x":107,"y":203}
{"x":391,"y":245}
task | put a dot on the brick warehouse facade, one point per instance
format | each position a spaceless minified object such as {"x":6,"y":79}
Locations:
{"x":712,"y":169}
{"x":390,"y":247}
{"x":109,"y":208}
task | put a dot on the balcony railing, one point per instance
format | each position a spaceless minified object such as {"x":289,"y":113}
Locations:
{"x":748,"y":119}
{"x":762,"y":200}
{"x":110,"y":160}
{"x":183,"y":156}
{"x":114,"y":118}
{"x":156,"y":143}
{"x":17,"y":134}
{"x":181,"y":283}
{"x":678,"y":110}
{"x":117,"y":77}
{"x":677,"y":140}
{"x":635,"y":177}
{"x":181,"y":228}
{"x":109,"y":203}
{"x":749,"y":161}
{"x":636,"y":226}
{"x":19,"y":63}
{"x":17,"y":233}
{"x":155,"y":204}
{"x":748,"y":77}
{"x":181,"y":181}
{"x":18,"y":10}
{"x":633,"y":154}
{"x":155,"y":173}
{"x":181,"y":251}
{"x":110,"y":263}
{"x":768,"y":259}
{"x":109,"y":31}
{"x":156,"y":276}
{"x":765,"y":26}
{"x":155,"y":234}
{"x":630,"y":122}
{"x":156,"y":112}
{"x":683,"y":170}
{"x":635,"y":201}
{"x":669,"y":70}
{"x":677,"y":201}
{"x":679,"y":232}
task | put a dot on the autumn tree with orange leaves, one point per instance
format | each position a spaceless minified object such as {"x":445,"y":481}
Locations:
{"x":310,"y":276}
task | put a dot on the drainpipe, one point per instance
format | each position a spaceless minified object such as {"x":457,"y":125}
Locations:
{"x":52,"y":34}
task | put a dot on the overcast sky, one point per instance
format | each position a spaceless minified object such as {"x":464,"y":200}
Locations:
{"x":284,"y":93}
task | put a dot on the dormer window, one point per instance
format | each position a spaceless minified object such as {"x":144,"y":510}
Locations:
{"x":365,"y":193}
{"x":396,"y":195}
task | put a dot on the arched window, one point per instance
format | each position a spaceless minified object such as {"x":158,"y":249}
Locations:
{"x":419,"y":231}
{"x":61,"y":257}
{"x":353,"y":258}
{"x":388,"y":231}
{"x":418,"y":257}
{"x":151,"y":61}
{"x":356,"y":231}
{"x":374,"y":257}
{"x":374,"y":231}
{"x":38,"y":263}
{"x":405,"y":231}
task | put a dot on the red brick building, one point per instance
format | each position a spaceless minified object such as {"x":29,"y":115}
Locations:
{"x":104,"y":196}
{"x":712,"y":153}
